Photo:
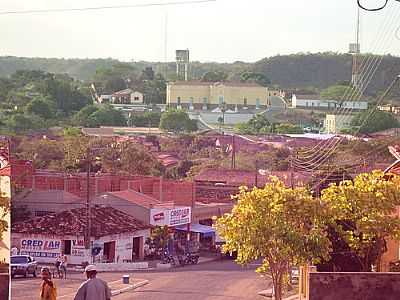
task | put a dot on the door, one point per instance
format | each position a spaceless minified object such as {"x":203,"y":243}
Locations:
{"x":136,"y":253}
{"x":109,"y":251}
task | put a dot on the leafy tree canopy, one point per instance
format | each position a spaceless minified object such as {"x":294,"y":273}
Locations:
{"x":214,"y":76}
{"x":374,"y":120}
{"x":177,"y":121}
{"x":363,"y":213}
{"x":283,"y":226}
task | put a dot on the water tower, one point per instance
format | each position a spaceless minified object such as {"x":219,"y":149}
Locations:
{"x":182,"y":64}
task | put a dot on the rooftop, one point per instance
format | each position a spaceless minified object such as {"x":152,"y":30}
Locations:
{"x":105,"y":221}
{"x":209,"y":83}
{"x":136,"y":198}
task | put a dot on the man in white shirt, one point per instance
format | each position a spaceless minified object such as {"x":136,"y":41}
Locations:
{"x":93,"y":288}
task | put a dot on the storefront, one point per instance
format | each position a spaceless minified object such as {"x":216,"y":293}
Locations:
{"x":116,"y":237}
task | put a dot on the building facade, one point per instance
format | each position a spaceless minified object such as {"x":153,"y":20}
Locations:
{"x":337,"y":123}
{"x":119,"y":236}
{"x":328,"y":104}
{"x":210,"y":95}
{"x":127,"y":96}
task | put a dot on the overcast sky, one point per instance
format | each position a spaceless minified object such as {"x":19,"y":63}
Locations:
{"x":223,"y":31}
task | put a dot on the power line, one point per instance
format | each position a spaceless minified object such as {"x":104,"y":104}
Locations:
{"x":362,"y":6}
{"x":61,"y":10}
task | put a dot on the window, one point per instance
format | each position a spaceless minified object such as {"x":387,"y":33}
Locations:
{"x":221,"y":100}
{"x":205,"y":100}
{"x":191,"y":100}
{"x":245,"y":101}
{"x":178,"y":100}
{"x":136,"y":98}
{"x":257,"y":103}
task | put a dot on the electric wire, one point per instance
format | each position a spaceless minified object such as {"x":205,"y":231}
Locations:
{"x":320,"y":158}
{"x":61,"y":10}
{"x":374,"y":9}
{"x":367,"y":63}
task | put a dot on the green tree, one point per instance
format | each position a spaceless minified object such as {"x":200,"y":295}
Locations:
{"x":177,"y":121}
{"x":374,"y":120}
{"x":45,"y":154}
{"x":283,"y":226}
{"x":214,"y":76}
{"x":257,"y":124}
{"x":363,"y":211}
{"x":147,"y":119}
{"x":41,"y":107}
{"x":95,"y":116}
{"x":258,"y":78}
{"x":286,"y":128}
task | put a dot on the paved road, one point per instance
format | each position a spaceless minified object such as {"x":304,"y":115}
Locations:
{"x":212,"y":281}
{"x":221,"y":280}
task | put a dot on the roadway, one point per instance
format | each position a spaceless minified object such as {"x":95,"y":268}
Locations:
{"x":218,"y":280}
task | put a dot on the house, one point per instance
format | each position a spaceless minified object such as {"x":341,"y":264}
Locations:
{"x":328,"y":104}
{"x":198,"y":95}
{"x":337,"y":123}
{"x":127,"y":96}
{"x":120,"y":236}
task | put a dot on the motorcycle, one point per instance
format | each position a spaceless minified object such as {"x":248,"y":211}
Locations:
{"x":191,"y":258}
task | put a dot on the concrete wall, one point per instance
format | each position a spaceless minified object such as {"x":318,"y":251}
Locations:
{"x":231,"y":94}
{"x":354,"y":286}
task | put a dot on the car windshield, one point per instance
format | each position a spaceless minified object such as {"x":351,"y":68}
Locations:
{"x":19,"y":259}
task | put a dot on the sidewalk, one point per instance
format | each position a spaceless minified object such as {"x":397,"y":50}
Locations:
{"x":119,"y":288}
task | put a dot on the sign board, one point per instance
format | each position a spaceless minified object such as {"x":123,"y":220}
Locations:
{"x":170,"y":217}
{"x":78,"y":247}
{"x":45,"y":248}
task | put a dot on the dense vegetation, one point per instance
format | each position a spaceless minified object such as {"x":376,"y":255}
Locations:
{"x":312,"y":72}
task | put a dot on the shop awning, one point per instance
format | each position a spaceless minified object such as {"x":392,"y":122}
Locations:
{"x":197,"y":228}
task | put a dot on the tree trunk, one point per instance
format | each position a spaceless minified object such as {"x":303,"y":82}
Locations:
{"x":277,"y":285}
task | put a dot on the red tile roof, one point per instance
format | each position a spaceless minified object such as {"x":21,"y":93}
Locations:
{"x":105,"y":221}
{"x":137,"y":198}
{"x":394,"y":168}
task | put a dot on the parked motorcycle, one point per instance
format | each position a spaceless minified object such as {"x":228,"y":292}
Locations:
{"x":191,"y":258}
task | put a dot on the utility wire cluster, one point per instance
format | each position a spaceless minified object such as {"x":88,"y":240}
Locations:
{"x":363,"y":6}
{"x":311,"y":160}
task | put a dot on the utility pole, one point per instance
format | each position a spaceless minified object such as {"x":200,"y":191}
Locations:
{"x":233,"y":159}
{"x":88,"y":208}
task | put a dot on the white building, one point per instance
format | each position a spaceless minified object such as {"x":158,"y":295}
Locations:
{"x":327,"y":104}
{"x":119,"y":236}
{"x":337,"y":123}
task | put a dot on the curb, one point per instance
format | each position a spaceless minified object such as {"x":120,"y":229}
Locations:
{"x":129,"y":288}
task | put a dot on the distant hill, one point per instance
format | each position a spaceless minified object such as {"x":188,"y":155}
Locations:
{"x":314,"y":71}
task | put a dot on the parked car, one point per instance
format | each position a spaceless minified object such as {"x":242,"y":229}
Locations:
{"x":23,"y":265}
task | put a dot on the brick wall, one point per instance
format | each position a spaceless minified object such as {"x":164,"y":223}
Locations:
{"x":354,"y":286}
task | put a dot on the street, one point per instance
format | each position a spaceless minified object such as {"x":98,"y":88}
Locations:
{"x":209,"y":281}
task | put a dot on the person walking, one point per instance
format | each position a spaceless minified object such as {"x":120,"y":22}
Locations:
{"x":93,"y":288}
{"x":48,"y":290}
{"x":63,"y":265}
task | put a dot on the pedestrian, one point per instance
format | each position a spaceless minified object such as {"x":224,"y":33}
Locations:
{"x":48,"y":289}
{"x":93,"y":288}
{"x":63,"y":265}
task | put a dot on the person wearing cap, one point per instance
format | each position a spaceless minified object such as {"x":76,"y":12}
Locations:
{"x":48,"y":289}
{"x":93,"y":288}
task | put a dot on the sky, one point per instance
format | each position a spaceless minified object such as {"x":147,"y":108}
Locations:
{"x":220,"y":31}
